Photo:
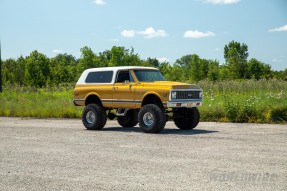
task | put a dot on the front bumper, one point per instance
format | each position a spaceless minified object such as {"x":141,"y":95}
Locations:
{"x":184,"y":103}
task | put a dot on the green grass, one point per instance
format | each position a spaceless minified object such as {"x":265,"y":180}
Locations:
{"x":245,"y":101}
{"x":29,"y":102}
{"x":226,"y":101}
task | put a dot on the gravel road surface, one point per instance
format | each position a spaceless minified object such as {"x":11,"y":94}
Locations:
{"x":52,"y":154}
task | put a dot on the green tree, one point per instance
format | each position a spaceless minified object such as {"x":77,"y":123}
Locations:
{"x":131,"y":58}
{"x":20,"y":71}
{"x":204,"y":64}
{"x":224,"y":73}
{"x":176,"y":74}
{"x":105,"y":58}
{"x":196,"y":68}
{"x":236,"y":55}
{"x":37,"y":70}
{"x":166,"y":69}
{"x":184,"y":63}
{"x":8,"y":71}
{"x":284,"y":74}
{"x":213,"y":70}
{"x":88,"y":60}
{"x":256,"y":68}
{"x":14,"y":71}
{"x":267,"y":72}
{"x":153,"y":62}
{"x":193,"y":67}
{"x":120,"y":56}
{"x":63,"y":69}
{"x":117,"y":56}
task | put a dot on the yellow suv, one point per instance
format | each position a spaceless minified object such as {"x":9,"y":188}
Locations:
{"x":135,"y":95}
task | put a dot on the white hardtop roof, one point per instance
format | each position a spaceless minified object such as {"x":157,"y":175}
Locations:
{"x":119,"y":68}
{"x":113,"y":69}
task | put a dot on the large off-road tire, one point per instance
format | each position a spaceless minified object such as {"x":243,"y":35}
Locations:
{"x":186,"y":118}
{"x":94,"y":117}
{"x":151,"y":118}
{"x":130,"y":120}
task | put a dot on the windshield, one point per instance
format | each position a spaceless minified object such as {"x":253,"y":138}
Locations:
{"x":149,"y":75}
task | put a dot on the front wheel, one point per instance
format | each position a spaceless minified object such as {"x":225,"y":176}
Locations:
{"x":94,"y":117}
{"x":151,"y":118}
{"x":186,"y":118}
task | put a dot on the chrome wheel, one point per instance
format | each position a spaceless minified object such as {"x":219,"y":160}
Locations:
{"x":148,"y":119}
{"x":91,"y":117}
{"x":151,"y":118}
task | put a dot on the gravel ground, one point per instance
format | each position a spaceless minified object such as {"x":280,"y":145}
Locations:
{"x":51,"y":154}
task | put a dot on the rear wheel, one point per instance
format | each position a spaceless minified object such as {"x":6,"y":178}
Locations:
{"x":94,"y":117}
{"x":151,"y":118}
{"x":186,"y":118}
{"x":130,"y":119}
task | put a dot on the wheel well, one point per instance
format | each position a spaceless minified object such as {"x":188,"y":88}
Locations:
{"x":152,"y":99}
{"x":93,"y":99}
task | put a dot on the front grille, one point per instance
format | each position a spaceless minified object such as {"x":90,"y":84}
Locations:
{"x":187,"y":95}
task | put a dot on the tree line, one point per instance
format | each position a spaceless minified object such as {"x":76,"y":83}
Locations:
{"x":39,"y":71}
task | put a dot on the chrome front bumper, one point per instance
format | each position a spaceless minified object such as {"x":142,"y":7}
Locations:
{"x":184,"y":103}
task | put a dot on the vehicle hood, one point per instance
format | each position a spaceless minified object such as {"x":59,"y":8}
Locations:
{"x":171,"y":85}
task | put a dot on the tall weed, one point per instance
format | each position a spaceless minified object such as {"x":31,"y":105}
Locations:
{"x":246,"y":101}
{"x":263,"y":101}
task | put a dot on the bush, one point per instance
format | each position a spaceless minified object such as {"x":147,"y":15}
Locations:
{"x":232,"y":109}
{"x":212,"y":114}
{"x":278,"y":114}
{"x":263,"y":101}
{"x":248,"y":111}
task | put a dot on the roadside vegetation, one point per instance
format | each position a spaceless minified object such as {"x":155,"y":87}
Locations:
{"x":240,"y":90}
{"x":38,"y":102}
{"x":263,"y":101}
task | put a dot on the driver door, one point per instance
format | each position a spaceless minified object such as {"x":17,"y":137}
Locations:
{"x":124,"y":90}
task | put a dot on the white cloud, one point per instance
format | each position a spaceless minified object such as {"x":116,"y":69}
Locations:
{"x":151,"y":33}
{"x":147,"y":33}
{"x":128,"y":33}
{"x":99,"y":2}
{"x":162,"y":59}
{"x":56,"y":51}
{"x":279,"y":29}
{"x":197,"y":34}
{"x":217,"y":49}
{"x":221,"y":1}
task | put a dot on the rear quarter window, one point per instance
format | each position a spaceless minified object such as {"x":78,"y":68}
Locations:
{"x":99,"y":77}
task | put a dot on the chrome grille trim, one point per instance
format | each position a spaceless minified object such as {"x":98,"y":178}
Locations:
{"x":187,"y":94}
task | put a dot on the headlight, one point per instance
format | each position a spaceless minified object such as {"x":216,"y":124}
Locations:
{"x":200,"y":94}
{"x":173,"y":95}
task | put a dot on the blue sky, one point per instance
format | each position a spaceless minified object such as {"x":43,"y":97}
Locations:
{"x":163,"y":29}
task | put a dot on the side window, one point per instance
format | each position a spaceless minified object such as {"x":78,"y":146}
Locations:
{"x":124,"y":76}
{"x":100,"y":77}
